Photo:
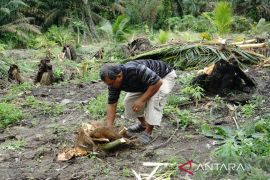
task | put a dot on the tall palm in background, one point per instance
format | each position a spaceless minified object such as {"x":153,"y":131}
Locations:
{"x":18,"y":17}
{"x":255,"y":9}
{"x":82,"y":15}
{"x":14,"y":22}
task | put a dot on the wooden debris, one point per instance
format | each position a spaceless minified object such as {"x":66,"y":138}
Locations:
{"x":112,"y":145}
{"x":96,"y":136}
{"x":123,"y":131}
{"x":244,"y":42}
{"x":101,"y":140}
{"x":151,"y":164}
{"x":256,"y":45}
{"x":236,"y":124}
{"x":70,"y":153}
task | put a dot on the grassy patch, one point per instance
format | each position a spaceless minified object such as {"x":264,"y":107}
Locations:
{"x":248,"y":146}
{"x":98,"y":107}
{"x":89,"y":70}
{"x":126,"y":172}
{"x":13,"y":145}
{"x":45,"y":107}
{"x":9,"y":114}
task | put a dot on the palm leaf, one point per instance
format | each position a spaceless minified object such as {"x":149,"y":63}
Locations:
{"x":16,"y":3}
{"x":223,"y":17}
{"x":196,"y":55}
{"x":5,"y":11}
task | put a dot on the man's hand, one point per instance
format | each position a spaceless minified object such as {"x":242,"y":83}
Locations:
{"x":111,"y":109}
{"x":138,"y":105}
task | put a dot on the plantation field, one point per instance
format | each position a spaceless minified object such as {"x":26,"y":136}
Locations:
{"x":51,"y":53}
{"x":43,"y":120}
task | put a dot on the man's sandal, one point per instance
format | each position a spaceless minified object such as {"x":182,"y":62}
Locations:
{"x":136,"y":128}
{"x":145,"y":138}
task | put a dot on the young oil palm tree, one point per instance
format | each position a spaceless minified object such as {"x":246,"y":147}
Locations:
{"x":222,"y":17}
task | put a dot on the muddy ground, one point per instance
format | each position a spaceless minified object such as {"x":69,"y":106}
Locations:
{"x":45,"y":136}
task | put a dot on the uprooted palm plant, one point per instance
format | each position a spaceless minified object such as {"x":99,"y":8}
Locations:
{"x":197,"y":55}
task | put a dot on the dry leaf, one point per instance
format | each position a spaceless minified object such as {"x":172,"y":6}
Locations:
{"x":70,"y":153}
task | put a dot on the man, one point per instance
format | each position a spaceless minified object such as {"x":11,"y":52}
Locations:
{"x":148,"y":83}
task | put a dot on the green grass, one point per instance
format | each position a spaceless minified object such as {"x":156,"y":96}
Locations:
{"x":14,"y":145}
{"x":248,"y":110}
{"x":9,"y":114}
{"x":89,"y":70}
{"x":46,"y":108}
{"x":126,"y":172}
{"x":175,"y":100}
{"x":249,"y":145}
{"x":18,"y":88}
{"x":162,"y":37}
{"x":98,"y":106}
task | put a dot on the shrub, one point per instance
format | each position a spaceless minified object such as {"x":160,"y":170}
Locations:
{"x":120,"y":28}
{"x":189,"y":22}
{"x":2,"y":47}
{"x":163,"y":37}
{"x":60,"y":35}
{"x":41,"y":41}
{"x":241,"y":24}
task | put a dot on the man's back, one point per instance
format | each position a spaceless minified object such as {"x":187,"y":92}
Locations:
{"x":159,"y":67}
{"x":138,"y":76}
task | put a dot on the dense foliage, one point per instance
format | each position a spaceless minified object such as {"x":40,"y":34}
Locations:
{"x":93,"y":20}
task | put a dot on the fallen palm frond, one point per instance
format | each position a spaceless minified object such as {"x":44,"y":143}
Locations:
{"x":197,"y":55}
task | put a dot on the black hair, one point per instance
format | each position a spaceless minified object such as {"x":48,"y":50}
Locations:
{"x":109,"y":70}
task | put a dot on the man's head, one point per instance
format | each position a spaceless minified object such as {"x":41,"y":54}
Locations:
{"x":112,"y":75}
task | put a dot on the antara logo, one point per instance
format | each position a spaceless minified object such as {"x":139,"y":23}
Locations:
{"x":181,"y":167}
{"x":211,"y":166}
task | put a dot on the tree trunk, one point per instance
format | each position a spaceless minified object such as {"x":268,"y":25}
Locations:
{"x":178,"y":7}
{"x":90,"y":22}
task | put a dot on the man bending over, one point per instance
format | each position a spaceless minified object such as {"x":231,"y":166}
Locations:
{"x":148,"y":83}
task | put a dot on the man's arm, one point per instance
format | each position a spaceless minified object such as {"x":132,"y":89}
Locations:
{"x":111,"y":110}
{"x":139,"y":103}
{"x":151,"y":91}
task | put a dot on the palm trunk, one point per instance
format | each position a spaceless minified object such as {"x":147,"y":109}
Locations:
{"x":90,"y":23}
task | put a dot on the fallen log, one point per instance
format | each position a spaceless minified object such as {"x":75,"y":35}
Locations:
{"x":244,"y":42}
{"x":256,"y":45}
{"x":112,"y":145}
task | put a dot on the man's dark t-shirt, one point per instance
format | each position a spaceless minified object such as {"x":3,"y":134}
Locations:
{"x":138,"y":76}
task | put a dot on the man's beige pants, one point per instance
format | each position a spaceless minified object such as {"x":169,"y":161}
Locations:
{"x":153,"y":109}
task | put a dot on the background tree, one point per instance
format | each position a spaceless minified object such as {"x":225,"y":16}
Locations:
{"x":13,"y":23}
{"x":255,"y":9}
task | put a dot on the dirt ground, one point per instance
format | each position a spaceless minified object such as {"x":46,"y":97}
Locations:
{"x":45,"y":136}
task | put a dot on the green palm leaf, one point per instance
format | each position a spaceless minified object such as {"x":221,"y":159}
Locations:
{"x":223,"y":17}
{"x":196,"y":55}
